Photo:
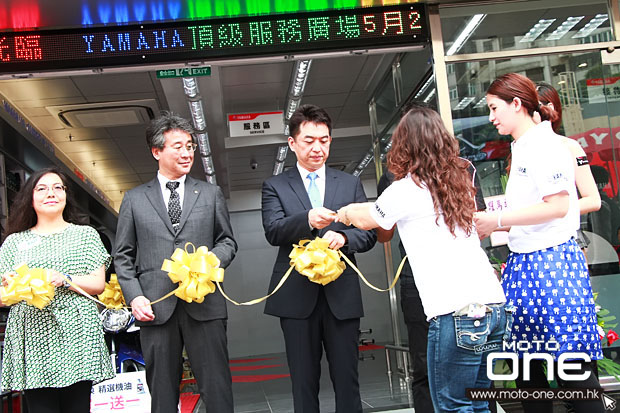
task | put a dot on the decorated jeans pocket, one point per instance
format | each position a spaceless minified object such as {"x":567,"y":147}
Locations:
{"x":510,"y":311}
{"x":472,"y":333}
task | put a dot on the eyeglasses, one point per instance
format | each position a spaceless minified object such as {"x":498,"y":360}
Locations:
{"x":190,"y":147}
{"x":44,"y":189}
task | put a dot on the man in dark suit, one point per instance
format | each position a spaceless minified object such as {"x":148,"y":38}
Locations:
{"x":300,"y":204}
{"x":154,"y":219}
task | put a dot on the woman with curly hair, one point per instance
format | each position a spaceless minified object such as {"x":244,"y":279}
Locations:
{"x":546,"y":276}
{"x":432,"y":203}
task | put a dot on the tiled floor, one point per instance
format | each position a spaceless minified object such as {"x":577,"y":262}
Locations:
{"x":274,"y":396}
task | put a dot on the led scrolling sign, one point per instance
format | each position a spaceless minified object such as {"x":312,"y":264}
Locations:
{"x":31,"y":51}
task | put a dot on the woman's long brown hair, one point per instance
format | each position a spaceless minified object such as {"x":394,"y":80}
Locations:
{"x":422,"y":147}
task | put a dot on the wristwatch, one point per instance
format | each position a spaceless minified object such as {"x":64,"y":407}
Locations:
{"x":65,"y":283}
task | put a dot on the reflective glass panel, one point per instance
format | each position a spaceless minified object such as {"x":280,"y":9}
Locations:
{"x":524,"y":25}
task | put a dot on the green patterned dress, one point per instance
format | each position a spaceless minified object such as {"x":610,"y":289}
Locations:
{"x":62,"y":343}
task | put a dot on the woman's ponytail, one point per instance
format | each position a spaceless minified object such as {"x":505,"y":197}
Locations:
{"x":547,"y":113}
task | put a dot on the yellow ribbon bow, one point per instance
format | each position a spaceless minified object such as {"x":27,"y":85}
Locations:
{"x":195,"y":272}
{"x":112,"y":296}
{"x":317,"y":261}
{"x":31,"y":285}
{"x":198,"y":271}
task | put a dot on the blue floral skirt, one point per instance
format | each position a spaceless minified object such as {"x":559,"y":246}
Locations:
{"x":555,"y":312}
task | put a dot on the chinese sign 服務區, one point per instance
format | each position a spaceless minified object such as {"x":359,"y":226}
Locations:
{"x":249,"y":124}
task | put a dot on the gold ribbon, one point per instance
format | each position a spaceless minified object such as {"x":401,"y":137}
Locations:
{"x":400,"y":268}
{"x":112,"y":296}
{"x":322,"y":265}
{"x":198,"y":273}
{"x":195,"y":272}
{"x":31,"y":285}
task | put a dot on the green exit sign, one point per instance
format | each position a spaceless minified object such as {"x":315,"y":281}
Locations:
{"x":184,"y":72}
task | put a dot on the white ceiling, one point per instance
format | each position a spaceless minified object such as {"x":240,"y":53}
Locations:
{"x":117,"y":159}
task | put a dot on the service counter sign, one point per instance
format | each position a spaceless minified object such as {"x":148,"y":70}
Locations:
{"x":127,"y":392}
{"x":252,"y":124}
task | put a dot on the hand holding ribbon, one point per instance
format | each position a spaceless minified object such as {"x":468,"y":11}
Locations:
{"x":322,"y":265}
{"x":313,"y":259}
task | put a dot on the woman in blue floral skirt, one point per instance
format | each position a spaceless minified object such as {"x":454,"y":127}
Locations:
{"x":546,"y":276}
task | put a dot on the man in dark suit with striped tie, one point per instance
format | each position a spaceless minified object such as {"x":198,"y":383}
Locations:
{"x":154,"y":219}
{"x":300,"y":204}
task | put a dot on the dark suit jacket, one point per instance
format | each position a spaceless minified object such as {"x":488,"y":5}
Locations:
{"x":285,"y":206}
{"x":145,"y":237}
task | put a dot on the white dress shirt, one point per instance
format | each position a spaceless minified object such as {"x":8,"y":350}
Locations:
{"x":166,"y":192}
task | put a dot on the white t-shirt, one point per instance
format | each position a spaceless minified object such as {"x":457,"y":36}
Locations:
{"x":541,"y":165}
{"x":450,"y":272}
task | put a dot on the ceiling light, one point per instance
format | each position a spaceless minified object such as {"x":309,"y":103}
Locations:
{"x":302,"y":67}
{"x":537,"y":30}
{"x":386,"y":149}
{"x":473,"y":23}
{"x":591,"y":26}
{"x":292,"y":107}
{"x":430,"y":96}
{"x":584,"y":64}
{"x":464,"y":102}
{"x":190,"y":86}
{"x":280,"y":158}
{"x":207,"y":164}
{"x":296,"y":91}
{"x":482,"y":102}
{"x":282,"y":152}
{"x":203,"y":143}
{"x":195,"y":107}
{"x":425,"y":86}
{"x":564,"y":28}
{"x":364,"y":162}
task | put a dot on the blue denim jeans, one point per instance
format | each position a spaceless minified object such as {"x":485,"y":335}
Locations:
{"x":458,"y":346}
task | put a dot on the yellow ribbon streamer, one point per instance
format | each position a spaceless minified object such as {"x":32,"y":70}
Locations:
{"x":112,"y":296}
{"x":400,"y":268}
{"x":195,"y":272}
{"x":322,"y":265}
{"x":198,"y":273}
{"x":31,"y":285}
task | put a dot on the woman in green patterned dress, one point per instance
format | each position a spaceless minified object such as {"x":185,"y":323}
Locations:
{"x":54,"y":354}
